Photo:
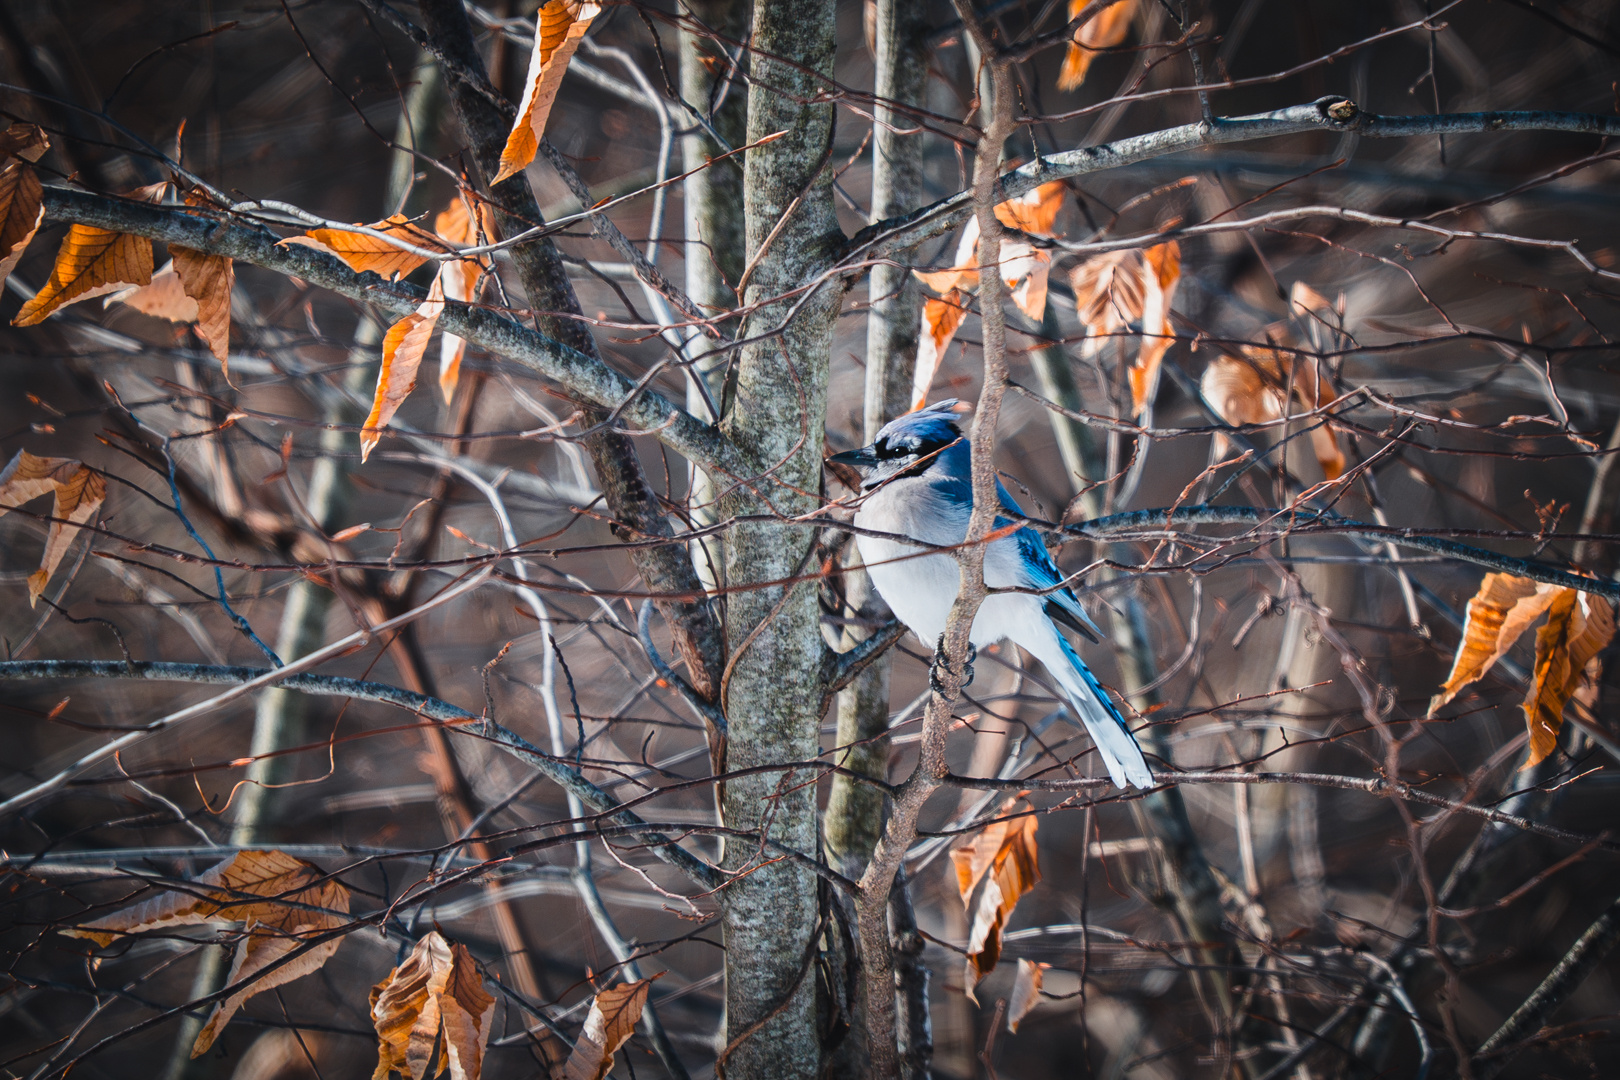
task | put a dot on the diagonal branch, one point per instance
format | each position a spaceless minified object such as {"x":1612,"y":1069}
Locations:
{"x":1332,"y":113}
{"x":591,"y":379}
{"x":243,"y":679}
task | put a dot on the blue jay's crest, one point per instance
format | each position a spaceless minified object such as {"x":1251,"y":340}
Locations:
{"x":920,"y":432}
{"x":907,"y":445}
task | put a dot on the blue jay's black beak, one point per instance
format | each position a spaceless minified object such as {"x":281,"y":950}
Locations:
{"x":862,"y":459}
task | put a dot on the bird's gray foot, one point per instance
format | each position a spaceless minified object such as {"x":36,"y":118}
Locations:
{"x":938,"y":666}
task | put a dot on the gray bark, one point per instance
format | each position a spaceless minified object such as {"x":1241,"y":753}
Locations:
{"x":715,"y":244}
{"x":854,"y":818}
{"x":775,"y":414}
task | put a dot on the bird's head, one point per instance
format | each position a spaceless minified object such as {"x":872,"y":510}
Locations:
{"x":912,"y":441}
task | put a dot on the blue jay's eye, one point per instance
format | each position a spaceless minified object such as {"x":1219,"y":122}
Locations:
{"x":887,"y":450}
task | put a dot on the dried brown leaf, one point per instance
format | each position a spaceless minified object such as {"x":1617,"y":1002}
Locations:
{"x":1252,"y":386}
{"x":364,"y":252}
{"x":435,"y":998}
{"x":1026,"y":992}
{"x":559,"y":26}
{"x":89,"y":263}
{"x":208,"y":280}
{"x":1131,"y":291}
{"x":454,"y":223}
{"x":611,"y":1022}
{"x":1498,"y":614}
{"x":22,"y":208}
{"x":272,"y":894}
{"x":459,"y":281}
{"x":164,"y":297}
{"x":78,"y":491}
{"x":1034,"y":211}
{"x":24,"y":140}
{"x":974,"y":859}
{"x":1578,"y":627}
{"x":1014,"y":872}
{"x":403,"y":348}
{"x":940,"y":320}
{"x":1105,"y":30}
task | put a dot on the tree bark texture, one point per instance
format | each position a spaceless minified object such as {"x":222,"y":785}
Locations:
{"x":854,"y":816}
{"x":715,"y":251}
{"x":775,"y":410}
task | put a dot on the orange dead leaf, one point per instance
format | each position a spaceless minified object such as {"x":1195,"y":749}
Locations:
{"x":1105,"y":30}
{"x":22,"y":208}
{"x":940,"y":321}
{"x":164,"y":297}
{"x":609,"y":1025}
{"x":403,"y":347}
{"x":454,"y":223}
{"x":24,"y":140}
{"x":1026,"y":992}
{"x":272,"y":894}
{"x":89,"y":263}
{"x":460,"y":280}
{"x":363,"y":252}
{"x":78,"y":492}
{"x":1499,"y":613}
{"x":1026,"y":270}
{"x":1131,"y":291}
{"x":436,"y":998}
{"x":1013,"y":872}
{"x":1034,"y":211}
{"x":943,"y":281}
{"x":208,"y":280}
{"x":558,"y":28}
{"x":1578,"y":627}
{"x":1253,"y":386}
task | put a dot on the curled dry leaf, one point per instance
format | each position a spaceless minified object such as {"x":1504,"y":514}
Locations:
{"x":611,"y":1022}
{"x":1105,"y":30}
{"x":940,"y":321}
{"x":1130,"y":292}
{"x":1013,"y":871}
{"x":90,"y":262}
{"x":1254,"y":385}
{"x":22,"y":208}
{"x":403,"y":347}
{"x":365,"y":252}
{"x":1024,"y":268}
{"x":436,"y":998}
{"x":193,"y":287}
{"x":1026,"y":993}
{"x":1579,"y":625}
{"x":459,"y":280}
{"x":558,"y":28}
{"x":24,"y":140}
{"x":164,"y":297}
{"x":79,"y":494}
{"x":209,"y":280}
{"x":1499,"y":613}
{"x":273,"y":895}
{"x":1034,"y":211}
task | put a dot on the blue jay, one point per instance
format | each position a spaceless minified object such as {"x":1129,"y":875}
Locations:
{"x":917,"y":483}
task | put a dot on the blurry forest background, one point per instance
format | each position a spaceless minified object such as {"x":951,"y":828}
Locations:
{"x":1492,"y":400}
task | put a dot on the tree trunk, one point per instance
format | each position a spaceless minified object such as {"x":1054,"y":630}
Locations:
{"x":854,"y":817}
{"x":715,"y":245}
{"x":775,"y":415}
